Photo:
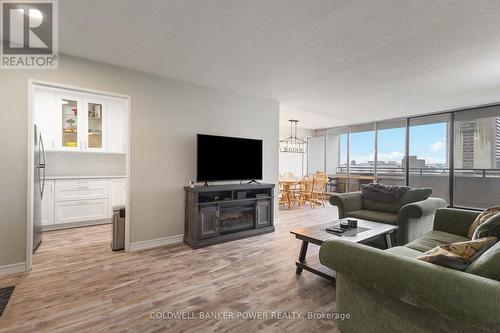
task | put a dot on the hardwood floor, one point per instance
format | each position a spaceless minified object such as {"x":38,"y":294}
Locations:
{"x":79,"y":285}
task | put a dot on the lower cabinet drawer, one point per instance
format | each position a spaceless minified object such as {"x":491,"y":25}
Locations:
{"x":81,"y":189}
{"x":81,"y":210}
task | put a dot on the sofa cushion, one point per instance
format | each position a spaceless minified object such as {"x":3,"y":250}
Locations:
{"x":434,"y":238}
{"x":488,"y":264}
{"x":411,"y":195}
{"x":376,"y":216}
{"x":458,"y":255}
{"x":404,"y":251}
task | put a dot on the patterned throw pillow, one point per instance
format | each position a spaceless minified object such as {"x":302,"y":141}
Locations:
{"x":490,"y":228}
{"x":458,"y":255}
{"x":483,"y":217}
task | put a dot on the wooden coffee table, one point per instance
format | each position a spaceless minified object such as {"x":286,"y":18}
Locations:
{"x":367,"y":231}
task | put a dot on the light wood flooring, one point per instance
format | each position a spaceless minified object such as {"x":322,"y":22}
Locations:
{"x":79,"y":285}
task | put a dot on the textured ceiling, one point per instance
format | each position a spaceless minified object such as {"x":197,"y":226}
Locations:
{"x":326,"y":62}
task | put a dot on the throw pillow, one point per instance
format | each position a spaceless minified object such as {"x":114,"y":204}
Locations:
{"x":410,"y":195}
{"x":489,"y":228}
{"x":488,"y":264}
{"x":383,"y":193}
{"x":458,"y":255}
{"x":483,"y":217}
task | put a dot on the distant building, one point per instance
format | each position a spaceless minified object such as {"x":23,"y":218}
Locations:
{"x":415,"y":163}
{"x":477,"y":143}
{"x":383,"y":163}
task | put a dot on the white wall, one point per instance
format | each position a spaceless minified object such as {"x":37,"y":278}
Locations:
{"x":293,"y":162}
{"x":166,"y":115}
{"x":332,"y":153}
{"x":316,"y":154}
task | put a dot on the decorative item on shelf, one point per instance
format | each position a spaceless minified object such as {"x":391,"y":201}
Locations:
{"x":69,"y":126}
{"x":95,"y":111}
{"x":293,"y":144}
{"x":191,"y":184}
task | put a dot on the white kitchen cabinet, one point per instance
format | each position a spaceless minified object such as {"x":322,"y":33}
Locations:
{"x":48,"y":203}
{"x":116,"y":126}
{"x":81,"y":210}
{"x":72,"y":121}
{"x":81,"y":189}
{"x":81,"y":200}
{"x":117,"y":193}
{"x":45,"y":116}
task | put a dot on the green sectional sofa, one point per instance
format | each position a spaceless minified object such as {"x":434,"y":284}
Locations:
{"x":392,"y":291}
{"x":413,"y":213}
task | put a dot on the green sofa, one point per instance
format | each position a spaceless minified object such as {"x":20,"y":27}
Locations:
{"x":413,"y":213}
{"x":392,"y":291}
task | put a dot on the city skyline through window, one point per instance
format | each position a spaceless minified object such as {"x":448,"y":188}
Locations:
{"x":428,"y":142}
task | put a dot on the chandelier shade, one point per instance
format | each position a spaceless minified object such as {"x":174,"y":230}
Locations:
{"x":293,"y":144}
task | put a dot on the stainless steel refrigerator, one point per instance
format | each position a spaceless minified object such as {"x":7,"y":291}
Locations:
{"x":38,"y":188}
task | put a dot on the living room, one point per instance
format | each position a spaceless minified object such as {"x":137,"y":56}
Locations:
{"x":376,"y":212}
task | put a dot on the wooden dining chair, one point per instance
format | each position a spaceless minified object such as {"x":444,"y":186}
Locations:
{"x":319,"y":189}
{"x":283,"y":199}
{"x":304,"y":192}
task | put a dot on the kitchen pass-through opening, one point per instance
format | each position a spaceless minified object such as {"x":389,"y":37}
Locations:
{"x":78,"y":171}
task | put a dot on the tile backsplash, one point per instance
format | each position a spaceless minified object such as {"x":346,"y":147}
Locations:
{"x":84,"y":164}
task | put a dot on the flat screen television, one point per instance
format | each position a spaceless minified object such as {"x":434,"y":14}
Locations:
{"x":220,"y":158}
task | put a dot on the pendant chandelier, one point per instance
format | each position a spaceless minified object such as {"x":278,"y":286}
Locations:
{"x":293,"y":144}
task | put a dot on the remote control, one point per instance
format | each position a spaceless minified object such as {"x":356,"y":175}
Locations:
{"x":336,"y":230}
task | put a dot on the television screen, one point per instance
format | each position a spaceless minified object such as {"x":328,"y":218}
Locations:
{"x":224,"y":158}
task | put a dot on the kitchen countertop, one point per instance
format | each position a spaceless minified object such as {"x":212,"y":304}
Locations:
{"x":82,"y":177}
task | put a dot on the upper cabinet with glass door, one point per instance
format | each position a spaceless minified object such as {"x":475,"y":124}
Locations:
{"x":72,"y":121}
{"x":70,"y":124}
{"x":96,"y":128}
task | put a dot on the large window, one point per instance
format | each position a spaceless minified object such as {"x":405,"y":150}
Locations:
{"x":361,"y":155}
{"x":362,"y":149}
{"x":429,"y":154}
{"x":457,"y":154}
{"x":477,"y":158}
{"x":391,"y":147}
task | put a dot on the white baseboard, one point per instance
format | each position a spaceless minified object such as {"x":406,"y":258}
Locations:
{"x":149,"y":244}
{"x":20,"y":267}
{"x":71,"y":225}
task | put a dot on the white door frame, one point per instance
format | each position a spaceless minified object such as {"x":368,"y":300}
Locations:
{"x":31,"y":122}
